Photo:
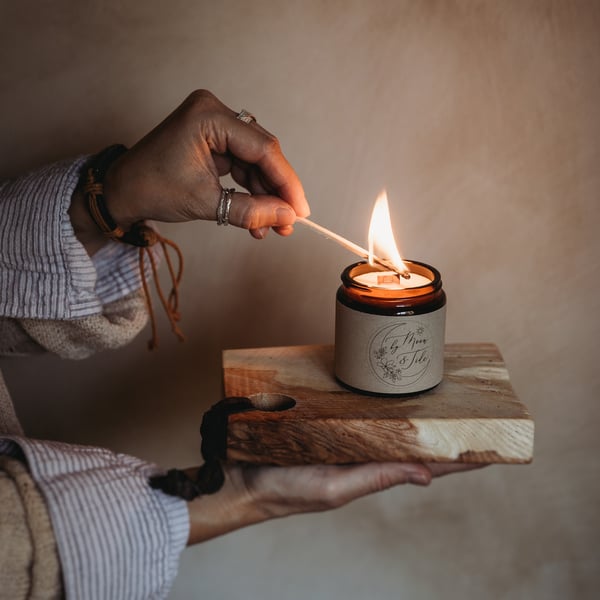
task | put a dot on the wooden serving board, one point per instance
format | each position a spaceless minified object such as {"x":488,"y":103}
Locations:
{"x":302,"y":415}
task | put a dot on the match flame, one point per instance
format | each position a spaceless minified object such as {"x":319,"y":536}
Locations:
{"x":381,"y":237}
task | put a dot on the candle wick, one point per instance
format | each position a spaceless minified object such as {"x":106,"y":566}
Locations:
{"x":386,"y":264}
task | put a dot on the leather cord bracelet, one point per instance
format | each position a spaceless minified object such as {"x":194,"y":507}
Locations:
{"x":140,"y":235}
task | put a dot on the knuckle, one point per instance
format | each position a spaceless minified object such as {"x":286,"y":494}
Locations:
{"x":271,"y":144}
{"x":201,"y":97}
{"x":201,"y":109}
{"x":332,"y":495}
{"x":383,"y":481}
{"x":250,"y":218}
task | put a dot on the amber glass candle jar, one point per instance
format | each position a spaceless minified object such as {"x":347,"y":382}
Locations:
{"x":389,"y":331}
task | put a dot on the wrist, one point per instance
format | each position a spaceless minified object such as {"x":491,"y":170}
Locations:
{"x":232,"y":507}
{"x":102,"y":185}
{"x":86,"y":231}
{"x":116,"y":193}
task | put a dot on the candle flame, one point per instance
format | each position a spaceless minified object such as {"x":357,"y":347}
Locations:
{"x":381,"y":237}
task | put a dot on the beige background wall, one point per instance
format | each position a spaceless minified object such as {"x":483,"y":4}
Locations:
{"x":481,"y":119}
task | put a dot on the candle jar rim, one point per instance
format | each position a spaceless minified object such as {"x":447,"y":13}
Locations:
{"x":414,"y":266}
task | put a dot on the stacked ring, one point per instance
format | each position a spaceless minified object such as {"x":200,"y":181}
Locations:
{"x":224,"y":206}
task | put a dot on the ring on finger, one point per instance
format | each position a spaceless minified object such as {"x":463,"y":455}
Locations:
{"x":224,"y":206}
{"x":245,"y":116}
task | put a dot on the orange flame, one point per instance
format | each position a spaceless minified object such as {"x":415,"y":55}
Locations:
{"x":381,"y":237}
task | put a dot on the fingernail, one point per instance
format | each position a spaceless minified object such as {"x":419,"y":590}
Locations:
{"x":260,"y":233}
{"x":285,"y":216}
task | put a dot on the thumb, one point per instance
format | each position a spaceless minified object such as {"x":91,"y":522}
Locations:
{"x":258,"y":211}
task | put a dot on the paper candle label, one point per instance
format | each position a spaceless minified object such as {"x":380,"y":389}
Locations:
{"x":389,"y":354}
{"x":401,"y":354}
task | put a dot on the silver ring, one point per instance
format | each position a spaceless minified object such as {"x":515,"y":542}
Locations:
{"x":245,"y":116}
{"x":224,"y":206}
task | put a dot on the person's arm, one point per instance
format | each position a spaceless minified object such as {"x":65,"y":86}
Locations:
{"x":116,"y":537}
{"x":47,"y":236}
{"x":172,"y":175}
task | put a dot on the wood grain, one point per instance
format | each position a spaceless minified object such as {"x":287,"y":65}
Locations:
{"x":304,"y":416}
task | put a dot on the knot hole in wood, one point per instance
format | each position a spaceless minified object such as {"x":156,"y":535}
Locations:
{"x":271,"y":402}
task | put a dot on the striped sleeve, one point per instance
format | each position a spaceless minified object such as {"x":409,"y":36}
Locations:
{"x":45,"y":273}
{"x":118,"y":272}
{"x":117,"y":538}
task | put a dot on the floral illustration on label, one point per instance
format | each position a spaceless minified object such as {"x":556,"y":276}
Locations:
{"x":400,"y":354}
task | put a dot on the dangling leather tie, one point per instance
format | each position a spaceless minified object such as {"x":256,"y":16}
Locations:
{"x":140,"y":235}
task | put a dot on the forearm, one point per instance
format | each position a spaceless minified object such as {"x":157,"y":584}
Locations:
{"x":232,"y":507}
